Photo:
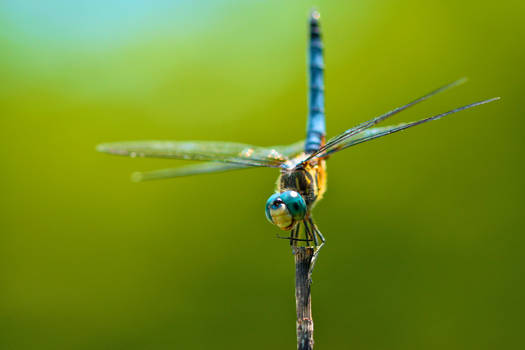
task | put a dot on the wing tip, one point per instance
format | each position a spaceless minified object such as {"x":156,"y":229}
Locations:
{"x":137,"y":176}
{"x":116,"y":149}
{"x":458,"y":82}
{"x":101,"y":147}
{"x":489,"y":100}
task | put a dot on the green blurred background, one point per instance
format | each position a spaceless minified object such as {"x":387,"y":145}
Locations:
{"x":424,"y":228}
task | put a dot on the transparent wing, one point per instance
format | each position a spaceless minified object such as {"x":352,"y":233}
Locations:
{"x":363,"y":126}
{"x":189,"y":170}
{"x":209,"y":167}
{"x":226,"y":152}
{"x":374,"y":133}
{"x":291,"y":150}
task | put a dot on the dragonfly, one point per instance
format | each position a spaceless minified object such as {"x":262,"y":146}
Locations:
{"x":302,"y":165}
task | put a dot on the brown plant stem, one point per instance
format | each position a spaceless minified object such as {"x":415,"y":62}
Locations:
{"x":304,"y":263}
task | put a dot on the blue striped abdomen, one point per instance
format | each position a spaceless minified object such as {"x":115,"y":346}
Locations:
{"x":316,"y":128}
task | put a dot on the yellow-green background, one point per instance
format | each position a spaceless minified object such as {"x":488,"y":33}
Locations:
{"x":425,"y":239}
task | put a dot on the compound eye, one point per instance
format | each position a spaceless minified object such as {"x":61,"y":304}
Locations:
{"x":285,"y":209}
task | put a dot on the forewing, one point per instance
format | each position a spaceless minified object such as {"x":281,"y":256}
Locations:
{"x":226,"y":152}
{"x":374,"y":133}
{"x":350,"y":133}
{"x":291,"y":150}
{"x":210,"y":167}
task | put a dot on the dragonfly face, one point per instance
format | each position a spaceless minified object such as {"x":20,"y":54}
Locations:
{"x":286,"y":209}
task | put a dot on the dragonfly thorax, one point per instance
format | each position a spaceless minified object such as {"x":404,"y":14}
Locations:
{"x":309,"y":180}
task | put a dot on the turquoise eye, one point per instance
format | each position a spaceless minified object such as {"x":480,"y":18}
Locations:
{"x":285,"y":209}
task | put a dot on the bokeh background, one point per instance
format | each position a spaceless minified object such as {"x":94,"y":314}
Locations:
{"x":425,"y":236}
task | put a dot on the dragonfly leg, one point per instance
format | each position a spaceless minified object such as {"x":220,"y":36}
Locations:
{"x":320,"y":236}
{"x":292,"y":238}
{"x":310,"y":233}
{"x":316,"y":231}
{"x":306,"y":234}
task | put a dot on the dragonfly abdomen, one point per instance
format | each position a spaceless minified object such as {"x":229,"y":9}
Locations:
{"x":316,"y":128}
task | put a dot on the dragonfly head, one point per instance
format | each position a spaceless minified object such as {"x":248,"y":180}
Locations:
{"x":285,"y":209}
